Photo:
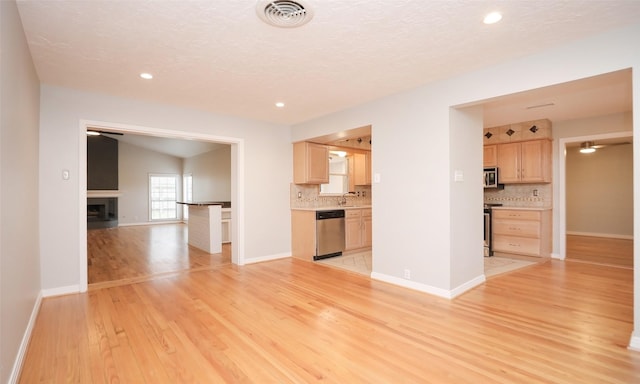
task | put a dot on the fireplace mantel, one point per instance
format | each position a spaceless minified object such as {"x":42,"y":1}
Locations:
{"x":103,"y":193}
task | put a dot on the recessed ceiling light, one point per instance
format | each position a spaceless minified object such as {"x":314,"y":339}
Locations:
{"x":146,"y":76}
{"x":280,"y":104}
{"x":492,"y":18}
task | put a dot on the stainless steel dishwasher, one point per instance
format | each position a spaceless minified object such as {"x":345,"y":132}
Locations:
{"x":329,"y":233}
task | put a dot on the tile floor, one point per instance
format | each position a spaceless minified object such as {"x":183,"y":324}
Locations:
{"x":361,"y":263}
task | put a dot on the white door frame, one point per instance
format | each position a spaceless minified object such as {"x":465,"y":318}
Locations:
{"x":237,"y":182}
{"x":562,"y":174}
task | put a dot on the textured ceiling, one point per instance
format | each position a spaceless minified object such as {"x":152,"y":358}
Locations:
{"x":219,"y":56}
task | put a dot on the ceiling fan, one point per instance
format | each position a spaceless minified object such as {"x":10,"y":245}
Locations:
{"x":94,"y":132}
{"x":590,"y":146}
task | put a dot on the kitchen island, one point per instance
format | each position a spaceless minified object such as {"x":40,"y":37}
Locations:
{"x":205,"y":225}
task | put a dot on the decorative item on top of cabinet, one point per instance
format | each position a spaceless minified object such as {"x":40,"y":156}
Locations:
{"x":310,"y":163}
{"x":524,"y":162}
{"x":523,"y":131}
{"x":490,"y":156}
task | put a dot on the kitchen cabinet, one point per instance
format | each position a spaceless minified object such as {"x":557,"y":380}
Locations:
{"x":362,"y":168}
{"x":310,"y":163}
{"x":303,"y":234}
{"x":524,"y":162}
{"x":358,"y":228}
{"x":226,"y":225}
{"x":490,"y":156}
{"x":522,"y":231}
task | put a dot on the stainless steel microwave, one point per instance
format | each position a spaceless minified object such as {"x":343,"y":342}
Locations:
{"x":491,"y":178}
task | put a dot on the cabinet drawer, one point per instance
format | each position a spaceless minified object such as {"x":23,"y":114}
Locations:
{"x":515,"y":214}
{"x":350,"y":213}
{"x":524,"y":228}
{"x":521,"y":245}
{"x":366,"y":212}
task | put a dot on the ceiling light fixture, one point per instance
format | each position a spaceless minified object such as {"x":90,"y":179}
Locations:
{"x":280,"y":104}
{"x":492,"y":18}
{"x":587,"y":147}
{"x":146,"y":76}
{"x":339,"y":153}
{"x":93,"y":133}
{"x":284,"y":13}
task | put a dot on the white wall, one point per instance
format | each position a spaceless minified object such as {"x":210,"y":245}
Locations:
{"x":134,"y":166}
{"x":265,"y":168}
{"x":211,"y":173}
{"x":19,"y":248}
{"x":599,"y":190}
{"x":416,"y":219}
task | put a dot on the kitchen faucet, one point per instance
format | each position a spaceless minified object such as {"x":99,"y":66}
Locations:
{"x":343,"y":200}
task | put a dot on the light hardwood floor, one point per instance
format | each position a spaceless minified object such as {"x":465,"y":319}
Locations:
{"x":130,"y":254}
{"x":291,"y":321}
{"x":600,"y":250}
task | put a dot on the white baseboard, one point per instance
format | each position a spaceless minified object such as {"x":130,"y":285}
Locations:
{"x":608,"y":235}
{"x":427,"y":288}
{"x":61,"y":291}
{"x":556,"y":256}
{"x":24,"y":344}
{"x":150,"y":223}
{"x":634,"y":343}
{"x":261,"y":259}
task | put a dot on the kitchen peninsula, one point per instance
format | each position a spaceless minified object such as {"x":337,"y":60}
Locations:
{"x":205,"y":225}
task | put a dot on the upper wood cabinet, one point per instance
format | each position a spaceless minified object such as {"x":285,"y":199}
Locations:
{"x":310,"y":163}
{"x":524,"y":162}
{"x":490,"y":156}
{"x":362,"y":168}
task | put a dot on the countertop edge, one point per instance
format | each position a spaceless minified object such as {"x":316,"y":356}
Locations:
{"x":523,"y":208}
{"x":315,"y":209}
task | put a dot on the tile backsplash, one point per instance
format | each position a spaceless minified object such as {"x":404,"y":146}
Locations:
{"x":521,"y":195}
{"x":310,"y":197}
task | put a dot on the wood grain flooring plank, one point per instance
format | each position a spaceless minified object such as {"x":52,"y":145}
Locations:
{"x":291,"y":321}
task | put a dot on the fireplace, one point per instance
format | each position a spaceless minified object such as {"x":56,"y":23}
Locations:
{"x":102,"y":212}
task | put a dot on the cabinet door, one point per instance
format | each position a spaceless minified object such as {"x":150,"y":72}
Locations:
{"x":490,"y":156}
{"x":362,"y":169}
{"x":353,"y":233}
{"x":310,"y":163}
{"x":352,"y":173}
{"x":366,"y":231}
{"x":535,"y":161}
{"x":509,"y":163}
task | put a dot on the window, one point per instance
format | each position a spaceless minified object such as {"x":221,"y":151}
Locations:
{"x":163,"y":194}
{"x":187,"y":193}
{"x":338,"y":176}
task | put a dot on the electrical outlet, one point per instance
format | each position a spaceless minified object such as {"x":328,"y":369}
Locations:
{"x":535,"y":192}
{"x":299,"y":195}
{"x":407,"y":274}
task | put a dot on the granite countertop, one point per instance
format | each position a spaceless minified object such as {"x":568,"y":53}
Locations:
{"x":225,"y":204}
{"x":523,"y":208}
{"x":331,"y":208}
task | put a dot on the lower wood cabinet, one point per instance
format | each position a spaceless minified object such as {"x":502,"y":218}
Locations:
{"x":525,"y":232}
{"x":357,"y":228}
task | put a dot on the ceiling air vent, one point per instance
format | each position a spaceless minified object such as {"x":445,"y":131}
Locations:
{"x":284,"y":13}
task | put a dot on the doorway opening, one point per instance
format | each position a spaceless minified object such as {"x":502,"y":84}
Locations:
{"x":596,"y":200}
{"x":236,"y":247}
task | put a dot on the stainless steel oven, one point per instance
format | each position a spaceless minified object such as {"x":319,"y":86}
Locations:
{"x":488,"y":233}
